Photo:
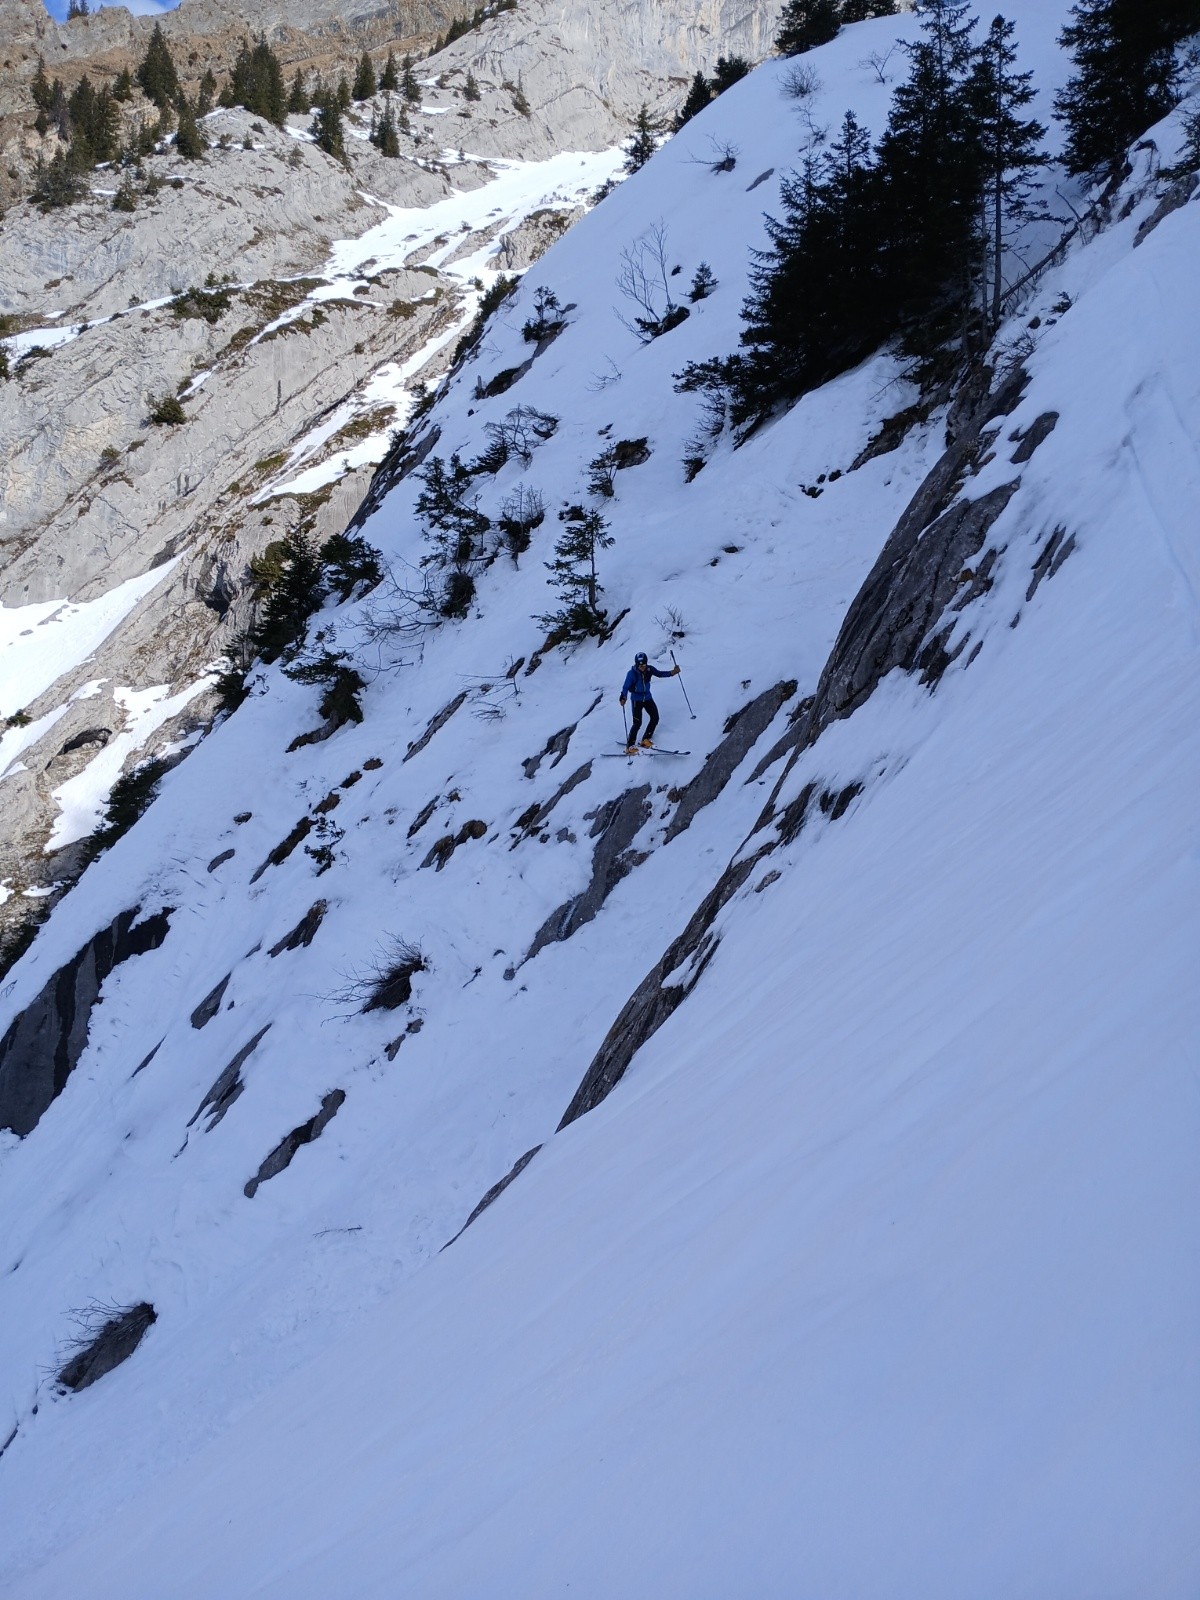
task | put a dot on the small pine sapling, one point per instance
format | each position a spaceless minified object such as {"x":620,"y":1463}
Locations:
{"x":703,"y":283}
{"x":574,"y":575}
{"x":546,"y":320}
{"x":602,"y":474}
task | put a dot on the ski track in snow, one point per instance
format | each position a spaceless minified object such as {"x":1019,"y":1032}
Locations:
{"x":875,"y":1275}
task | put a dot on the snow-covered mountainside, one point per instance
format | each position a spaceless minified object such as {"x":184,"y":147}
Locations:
{"x":831,"y":1085}
{"x":292,"y":303}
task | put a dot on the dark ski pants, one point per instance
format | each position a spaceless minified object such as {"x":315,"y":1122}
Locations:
{"x":638,"y":707}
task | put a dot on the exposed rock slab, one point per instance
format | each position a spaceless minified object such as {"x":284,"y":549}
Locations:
{"x":112,"y":1344}
{"x":45,"y":1041}
{"x":283,"y":1152}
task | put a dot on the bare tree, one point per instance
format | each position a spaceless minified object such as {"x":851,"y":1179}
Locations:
{"x":645,"y":281}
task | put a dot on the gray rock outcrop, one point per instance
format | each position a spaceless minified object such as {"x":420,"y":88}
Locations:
{"x":45,"y":1041}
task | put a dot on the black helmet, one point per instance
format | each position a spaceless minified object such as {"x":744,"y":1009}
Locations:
{"x":641,"y":659}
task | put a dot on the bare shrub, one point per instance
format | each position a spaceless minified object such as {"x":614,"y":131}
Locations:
{"x":801,"y":82}
{"x":522,"y":511}
{"x":385,"y":983}
{"x":645,"y":281}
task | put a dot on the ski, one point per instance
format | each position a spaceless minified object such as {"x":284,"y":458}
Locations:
{"x":656,"y":750}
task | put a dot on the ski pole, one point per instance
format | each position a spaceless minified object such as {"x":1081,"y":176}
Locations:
{"x":675,"y":664}
{"x":625,"y":720}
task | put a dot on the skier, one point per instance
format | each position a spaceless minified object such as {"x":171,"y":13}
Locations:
{"x":637,"y":686}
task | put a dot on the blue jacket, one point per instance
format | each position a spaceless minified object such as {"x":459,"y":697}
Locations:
{"x":637,"y":682}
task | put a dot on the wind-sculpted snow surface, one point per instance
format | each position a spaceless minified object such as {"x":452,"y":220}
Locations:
{"x":873,"y":1275}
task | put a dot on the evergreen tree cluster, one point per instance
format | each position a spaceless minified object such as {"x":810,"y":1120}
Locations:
{"x":291,"y":580}
{"x":805,"y":24}
{"x":728,"y":70}
{"x":902,"y":241}
{"x":1126,"y":75}
{"x":256,"y":83}
{"x":89,"y":128}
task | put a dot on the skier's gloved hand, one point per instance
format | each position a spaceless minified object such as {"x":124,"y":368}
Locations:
{"x":675,"y":670}
{"x":622,"y":699}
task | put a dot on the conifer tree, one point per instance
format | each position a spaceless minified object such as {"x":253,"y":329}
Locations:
{"x":59,"y":115}
{"x":931,"y":159}
{"x":364,"y":78}
{"x":1009,"y":148}
{"x":189,"y":140}
{"x":816,"y":304}
{"x":57,"y":182}
{"x":728,"y":71}
{"x":206,"y":95}
{"x":389,"y":78}
{"x":1125,"y":75}
{"x":122,"y":89}
{"x":43,"y":94}
{"x":409,"y":87}
{"x":574,"y":574}
{"x":386,"y":138}
{"x":327,"y":126}
{"x":257,"y":83}
{"x":863,"y":10}
{"x":289,"y":585}
{"x":699,"y":95}
{"x":454,"y":528}
{"x":157,"y":76}
{"x":343,"y":92}
{"x":298,"y":101}
{"x":471,"y":87}
{"x":454,"y":524}
{"x":805,"y":24}
{"x":643,"y":141}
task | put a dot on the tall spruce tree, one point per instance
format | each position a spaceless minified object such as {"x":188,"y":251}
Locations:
{"x":1009,"y":148}
{"x":386,"y":137}
{"x":698,"y":96}
{"x":409,"y":87}
{"x":364,"y":78}
{"x":298,"y":101}
{"x":642,"y":142}
{"x":932,"y":166}
{"x":157,"y":76}
{"x":206,"y":95}
{"x":1125,"y":75}
{"x":805,"y":24}
{"x":816,"y":304}
{"x":326,"y":129}
{"x":189,"y":140}
{"x":40,"y":89}
{"x":389,"y":78}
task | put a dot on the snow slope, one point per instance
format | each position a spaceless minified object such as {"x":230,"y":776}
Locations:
{"x":876,"y":1274}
